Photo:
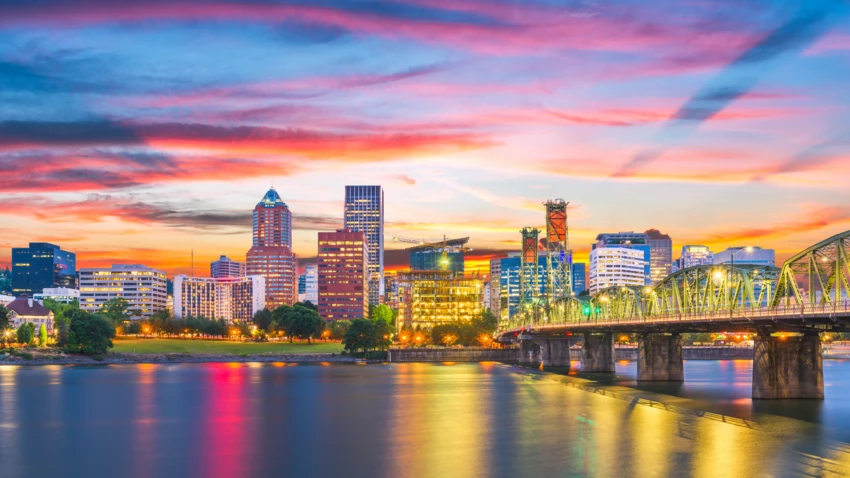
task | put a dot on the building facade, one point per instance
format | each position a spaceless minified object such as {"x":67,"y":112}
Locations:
{"x":144,"y":288}
{"x":429,"y":298}
{"x":42,"y":265}
{"x":25,"y":309}
{"x":62,"y":295}
{"x":661,"y":256}
{"x":448,"y":255}
{"x":343,"y":275}
{"x":510,"y":269}
{"x":225,"y":267}
{"x":495,"y":286}
{"x":628,"y":240}
{"x":391,"y":289}
{"x":271,"y":255}
{"x":579,"y":277}
{"x":616,"y":266}
{"x":755,"y":256}
{"x":364,"y":212}
{"x":311,"y":283}
{"x":233,"y":299}
{"x":694,"y":255}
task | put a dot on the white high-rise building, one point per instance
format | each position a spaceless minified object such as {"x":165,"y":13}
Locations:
{"x":694,"y":255}
{"x":234,"y":299}
{"x":616,"y":266}
{"x":364,"y":212}
{"x":311,"y":283}
{"x":143,"y":288}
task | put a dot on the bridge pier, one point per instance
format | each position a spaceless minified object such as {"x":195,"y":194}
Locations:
{"x":597,"y":353}
{"x":529,"y":353}
{"x":660,"y":358}
{"x":555,"y":352}
{"x":551,"y":352}
{"x":787,"y":367}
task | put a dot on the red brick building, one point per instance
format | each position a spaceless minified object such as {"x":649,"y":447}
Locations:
{"x":271,"y":255}
{"x":343,"y":275}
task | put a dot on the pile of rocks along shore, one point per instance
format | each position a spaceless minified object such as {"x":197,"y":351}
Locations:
{"x":112,"y":358}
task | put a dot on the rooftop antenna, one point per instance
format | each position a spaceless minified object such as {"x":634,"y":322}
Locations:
{"x":193,"y":263}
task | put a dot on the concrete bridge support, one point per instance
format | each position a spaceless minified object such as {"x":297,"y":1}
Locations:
{"x":597,"y":353}
{"x":555,"y":352}
{"x":660,"y":358}
{"x":789,"y":367}
{"x":551,"y":352}
{"x":529,"y":353}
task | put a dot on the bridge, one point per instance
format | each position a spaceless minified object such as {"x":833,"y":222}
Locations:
{"x":808,"y":296}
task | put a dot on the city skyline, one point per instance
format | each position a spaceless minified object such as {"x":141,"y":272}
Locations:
{"x":716,"y":126}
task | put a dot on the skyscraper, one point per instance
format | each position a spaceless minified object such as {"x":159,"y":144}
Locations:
{"x":225,"y":267}
{"x":42,"y":265}
{"x":271,"y":255}
{"x":579,"y":277}
{"x":627,"y":240}
{"x":364,"y":212}
{"x":510,"y":272}
{"x":616,"y":266}
{"x":694,"y":255}
{"x":343,"y":275}
{"x":661,"y":256}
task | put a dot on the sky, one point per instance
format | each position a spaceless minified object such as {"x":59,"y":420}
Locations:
{"x":138,"y":132}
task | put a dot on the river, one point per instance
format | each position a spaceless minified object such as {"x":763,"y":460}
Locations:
{"x":418,"y":420}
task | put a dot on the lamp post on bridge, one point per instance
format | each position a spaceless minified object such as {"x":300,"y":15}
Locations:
{"x":731,"y":274}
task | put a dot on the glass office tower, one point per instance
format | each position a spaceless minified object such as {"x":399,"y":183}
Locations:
{"x":42,"y":265}
{"x":364,"y":212}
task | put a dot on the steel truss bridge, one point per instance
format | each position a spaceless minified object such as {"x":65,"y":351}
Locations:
{"x":810,"y":293}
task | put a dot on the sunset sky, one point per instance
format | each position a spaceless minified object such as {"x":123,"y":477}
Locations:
{"x":139,"y":131}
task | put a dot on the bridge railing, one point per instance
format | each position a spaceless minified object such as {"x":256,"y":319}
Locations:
{"x":737,"y":315}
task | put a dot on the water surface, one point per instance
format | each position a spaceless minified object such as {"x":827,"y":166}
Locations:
{"x":419,"y":420}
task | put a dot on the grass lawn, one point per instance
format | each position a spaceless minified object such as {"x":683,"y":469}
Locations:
{"x":163,"y":346}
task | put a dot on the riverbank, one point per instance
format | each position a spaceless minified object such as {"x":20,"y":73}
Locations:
{"x":51,"y":358}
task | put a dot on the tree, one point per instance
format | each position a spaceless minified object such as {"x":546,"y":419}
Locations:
{"x":359,"y":336}
{"x":4,"y":318}
{"x":308,"y":304}
{"x":61,"y":318}
{"x":42,"y":336}
{"x":382,"y":334}
{"x":116,"y":309}
{"x":487,"y":322}
{"x":263,"y":320}
{"x":25,"y":333}
{"x":338,"y":328}
{"x":381,"y":312}
{"x":281,"y":317}
{"x":305,"y":323}
{"x":90,"y":334}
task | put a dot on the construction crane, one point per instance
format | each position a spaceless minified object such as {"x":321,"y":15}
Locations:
{"x":444,"y":245}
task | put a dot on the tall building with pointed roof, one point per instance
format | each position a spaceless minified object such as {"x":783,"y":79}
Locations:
{"x":271,"y":254}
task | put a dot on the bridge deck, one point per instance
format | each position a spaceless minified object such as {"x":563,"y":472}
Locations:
{"x":831,"y":317}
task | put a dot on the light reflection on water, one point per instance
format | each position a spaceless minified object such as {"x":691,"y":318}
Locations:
{"x":428,"y":420}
